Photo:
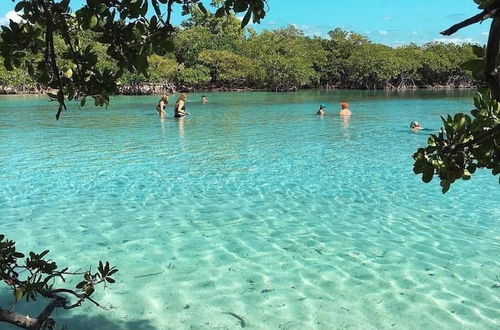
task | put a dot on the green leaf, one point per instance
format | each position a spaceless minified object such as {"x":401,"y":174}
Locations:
{"x":220,"y":12}
{"x":427,"y":174}
{"x":240,"y":5}
{"x":446,"y":186}
{"x":112,"y":271}
{"x":43,"y":254}
{"x":93,"y":21}
{"x":153,"y":21}
{"x":202,"y":8}
{"x":19,"y":6}
{"x":68,"y":73}
{"x":246,"y":19}
{"x":101,"y":8}
{"x":19,"y":294}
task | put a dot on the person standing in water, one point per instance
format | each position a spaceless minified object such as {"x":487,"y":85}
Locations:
{"x":321,"y":111}
{"x":180,"y":106}
{"x":344,"y":112}
{"x":162,"y":103}
{"x":204,"y":99}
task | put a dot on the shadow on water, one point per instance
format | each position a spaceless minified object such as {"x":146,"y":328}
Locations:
{"x":65,"y":320}
{"x":103,"y":323}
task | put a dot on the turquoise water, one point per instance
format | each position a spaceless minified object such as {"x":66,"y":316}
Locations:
{"x":254,"y":206}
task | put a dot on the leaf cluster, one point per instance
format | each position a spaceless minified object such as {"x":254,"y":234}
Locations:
{"x":34,"y":275}
{"x":463,"y":145}
{"x":121,"y":26}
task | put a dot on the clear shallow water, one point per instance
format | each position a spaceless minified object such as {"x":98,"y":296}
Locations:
{"x":255,"y":206}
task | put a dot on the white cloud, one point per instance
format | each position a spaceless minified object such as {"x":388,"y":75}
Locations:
{"x":383,"y":32}
{"x":457,"y":41}
{"x":11,"y":15}
{"x":310,"y":30}
{"x":485,"y":34}
{"x":368,"y":32}
{"x":387,"y":18}
{"x":415,"y":33}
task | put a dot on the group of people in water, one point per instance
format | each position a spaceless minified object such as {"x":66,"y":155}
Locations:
{"x":344,"y":111}
{"x":180,"y":109}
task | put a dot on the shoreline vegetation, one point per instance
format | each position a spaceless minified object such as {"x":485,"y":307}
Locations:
{"x":211,"y":53}
{"x":158,"y":89}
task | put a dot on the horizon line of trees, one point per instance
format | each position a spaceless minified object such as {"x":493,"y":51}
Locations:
{"x":212,"y":52}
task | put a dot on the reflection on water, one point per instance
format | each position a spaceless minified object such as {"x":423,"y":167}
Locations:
{"x":181,"y":122}
{"x":345,"y":121}
{"x":162,"y":122}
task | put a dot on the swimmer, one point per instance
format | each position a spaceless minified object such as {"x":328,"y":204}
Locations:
{"x":415,"y":126}
{"x":345,"y":109}
{"x":321,"y":111}
{"x":204,"y":99}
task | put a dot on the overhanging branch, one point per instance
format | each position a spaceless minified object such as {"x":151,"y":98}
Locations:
{"x":490,"y":11}
{"x":22,"y":321}
{"x":490,"y":67}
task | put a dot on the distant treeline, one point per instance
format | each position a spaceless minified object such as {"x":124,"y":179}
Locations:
{"x":208,"y":52}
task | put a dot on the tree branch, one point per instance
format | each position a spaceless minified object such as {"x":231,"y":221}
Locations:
{"x":67,"y":39}
{"x":51,"y":53}
{"x":22,"y":321}
{"x":490,"y":11}
{"x":156,"y":7}
{"x":490,"y":67}
{"x":47,"y":311}
{"x":169,"y":11}
{"x":54,"y":294}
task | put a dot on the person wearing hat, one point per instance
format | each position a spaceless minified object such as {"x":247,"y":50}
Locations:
{"x":321,"y":111}
{"x":345,"y":109}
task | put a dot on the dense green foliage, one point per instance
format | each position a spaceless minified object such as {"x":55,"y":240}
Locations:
{"x":208,"y":51}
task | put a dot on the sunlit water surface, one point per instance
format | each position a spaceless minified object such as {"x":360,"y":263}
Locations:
{"x":253,"y":205}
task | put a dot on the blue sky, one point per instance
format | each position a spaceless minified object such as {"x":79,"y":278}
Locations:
{"x":390,"y":22}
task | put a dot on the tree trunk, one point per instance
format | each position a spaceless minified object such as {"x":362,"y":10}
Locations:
{"x":22,"y":321}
